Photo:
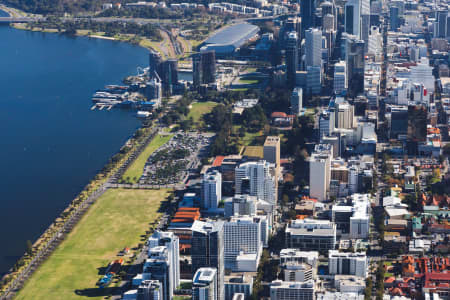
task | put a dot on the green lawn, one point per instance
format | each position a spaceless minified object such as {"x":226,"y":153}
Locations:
{"x":116,"y":220}
{"x":134,"y":171}
{"x":199,"y":109}
{"x":249,"y":138}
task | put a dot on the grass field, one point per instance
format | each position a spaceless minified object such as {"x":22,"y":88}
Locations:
{"x":199,"y":109}
{"x":250,"y":138}
{"x":134,"y":171}
{"x":254,"y":151}
{"x":116,"y":220}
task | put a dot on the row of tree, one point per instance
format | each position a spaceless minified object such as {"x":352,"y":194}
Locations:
{"x":109,"y":28}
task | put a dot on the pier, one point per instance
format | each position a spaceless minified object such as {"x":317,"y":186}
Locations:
{"x":100,"y":106}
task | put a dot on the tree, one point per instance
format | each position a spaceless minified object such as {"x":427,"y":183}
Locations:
{"x":29,"y":249}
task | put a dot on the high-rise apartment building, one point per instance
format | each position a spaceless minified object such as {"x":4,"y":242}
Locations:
{"x":204,"y":284}
{"x":172,"y":243}
{"x":288,"y":290}
{"x":271,"y":151}
{"x":320,"y":171}
{"x":211,"y":190}
{"x":149,"y":290}
{"x":257,"y":179}
{"x":157,"y":267}
{"x":347,"y":263}
{"x":242,"y":236}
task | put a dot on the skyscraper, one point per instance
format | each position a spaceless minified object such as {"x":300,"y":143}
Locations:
{"x":157,"y":267}
{"x":340,"y":78}
{"x":307,"y":11}
{"x":291,"y":58}
{"x":154,"y":62}
{"x":320,"y":171}
{"x":197,"y":78}
{"x":353,"y":17}
{"x":204,"y":284}
{"x":440,"y":28}
{"x":209,"y":66}
{"x":313,"y":51}
{"x":204,"y":67}
{"x":149,"y":290}
{"x":257,"y":179}
{"x":354,"y":53}
{"x":296,"y":101}
{"x":169,"y":74}
{"x":272,"y":150}
{"x":211,"y":190}
{"x":242,"y":235}
{"x":208,"y":250}
{"x":153,"y":90}
{"x":172,"y":243}
{"x":293,"y":24}
{"x":393,"y":18}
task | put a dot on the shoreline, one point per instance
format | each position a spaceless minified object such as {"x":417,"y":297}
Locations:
{"x":143,"y":43}
{"x":64,"y":223}
{"x":50,"y":237}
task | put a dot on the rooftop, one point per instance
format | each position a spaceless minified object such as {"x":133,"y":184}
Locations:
{"x":231,"y":34}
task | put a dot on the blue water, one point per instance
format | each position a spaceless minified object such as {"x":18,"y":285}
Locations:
{"x":52,"y":144}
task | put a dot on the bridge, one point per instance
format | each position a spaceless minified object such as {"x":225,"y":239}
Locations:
{"x":7,"y":20}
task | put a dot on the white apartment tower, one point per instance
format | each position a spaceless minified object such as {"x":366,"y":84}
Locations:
{"x":242,"y":236}
{"x":257,"y":179}
{"x":320,"y":171}
{"x":204,"y":284}
{"x":288,"y":290}
{"x":211,"y":190}
{"x":347,"y":263}
{"x":172,"y":243}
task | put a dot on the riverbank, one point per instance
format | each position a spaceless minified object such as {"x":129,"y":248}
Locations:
{"x":51,"y":237}
{"x":127,"y":38}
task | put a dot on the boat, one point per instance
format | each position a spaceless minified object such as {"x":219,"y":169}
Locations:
{"x":143,"y":114}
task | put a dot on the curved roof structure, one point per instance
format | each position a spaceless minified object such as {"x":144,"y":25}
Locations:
{"x":235,"y":35}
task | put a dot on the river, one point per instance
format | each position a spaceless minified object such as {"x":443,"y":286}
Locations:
{"x":52,"y":144}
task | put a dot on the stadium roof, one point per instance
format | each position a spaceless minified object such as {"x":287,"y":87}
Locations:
{"x":232,"y":34}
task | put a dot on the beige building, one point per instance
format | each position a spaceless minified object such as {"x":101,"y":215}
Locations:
{"x":272,"y":151}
